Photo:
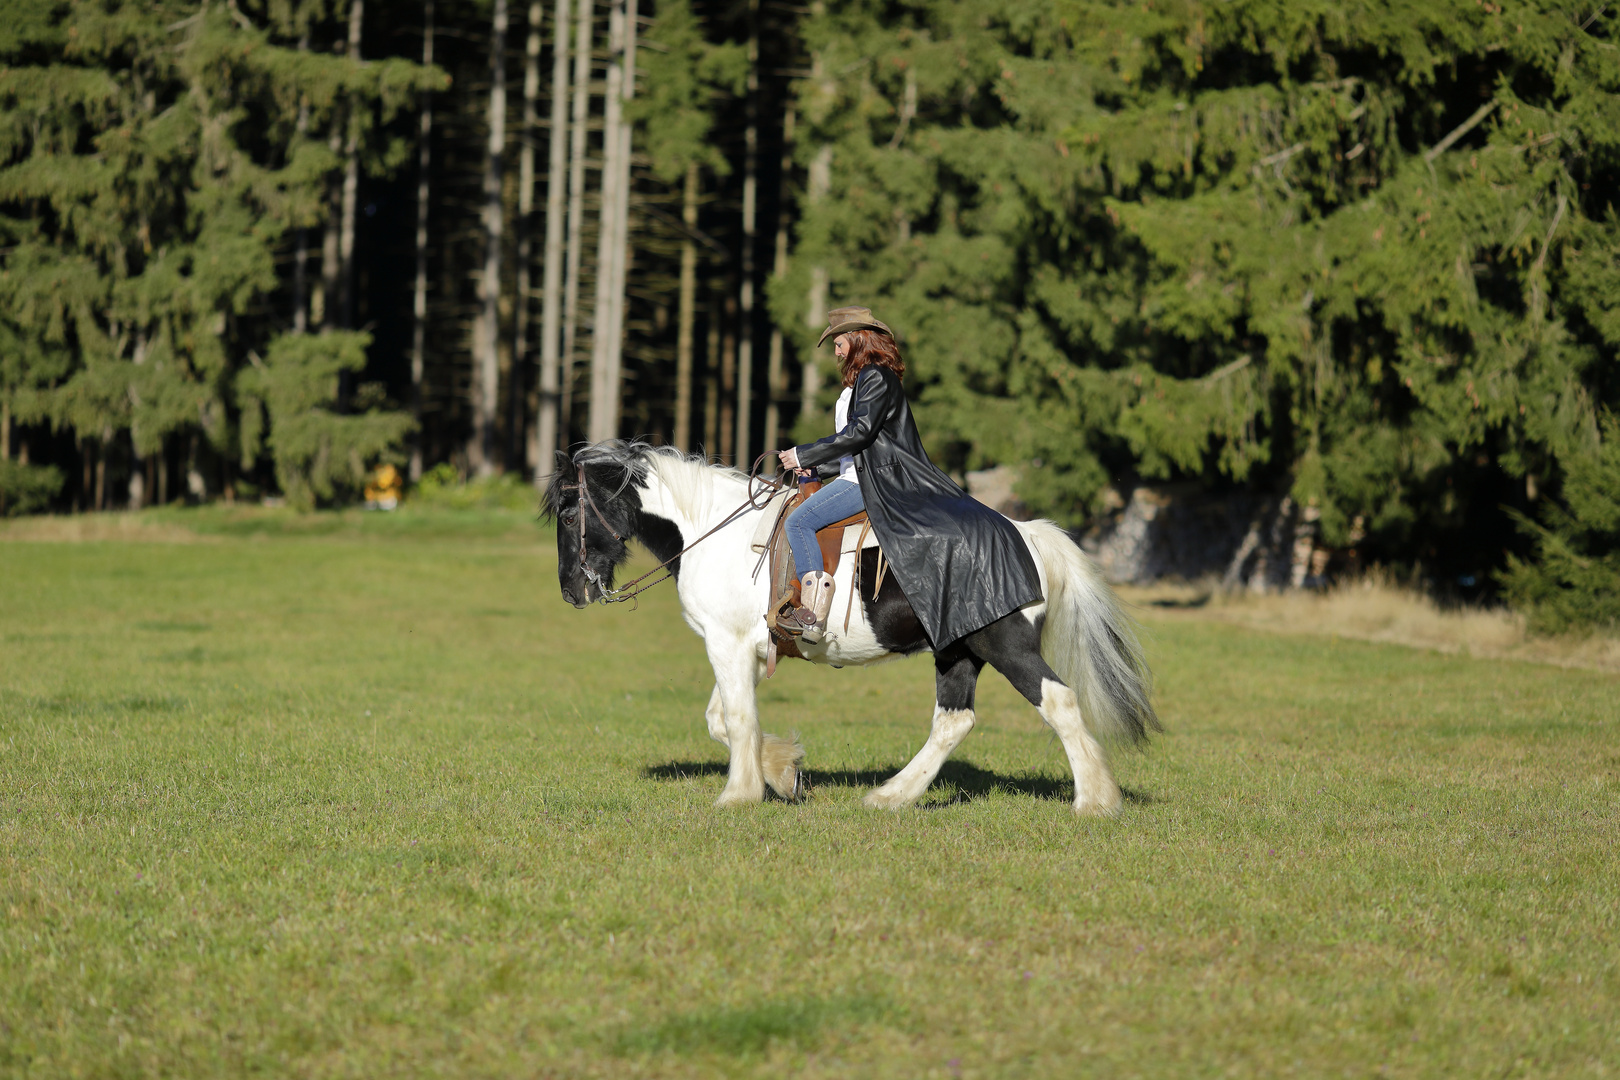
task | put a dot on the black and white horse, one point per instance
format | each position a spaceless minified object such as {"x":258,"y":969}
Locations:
{"x":1074,"y":656}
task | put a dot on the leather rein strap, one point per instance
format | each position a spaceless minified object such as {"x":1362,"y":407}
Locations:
{"x":629,"y":590}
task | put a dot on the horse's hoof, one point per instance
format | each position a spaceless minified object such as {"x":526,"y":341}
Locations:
{"x":780,"y":760}
{"x":1104,"y":808}
{"x":880,"y":799}
{"x":788,"y":785}
{"x":739,"y":798}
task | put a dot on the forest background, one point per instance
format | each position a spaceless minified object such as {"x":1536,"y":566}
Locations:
{"x":1364,"y":256}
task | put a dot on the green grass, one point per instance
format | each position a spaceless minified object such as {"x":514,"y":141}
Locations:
{"x":358,"y":795}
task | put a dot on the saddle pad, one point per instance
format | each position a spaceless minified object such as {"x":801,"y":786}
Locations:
{"x":774,"y":509}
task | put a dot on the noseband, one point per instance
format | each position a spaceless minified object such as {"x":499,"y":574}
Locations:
{"x":629,"y":590}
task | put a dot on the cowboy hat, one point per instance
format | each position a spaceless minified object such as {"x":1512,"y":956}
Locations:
{"x":843,"y":320}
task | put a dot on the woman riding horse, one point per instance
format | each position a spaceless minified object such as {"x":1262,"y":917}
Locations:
{"x":962,"y":565}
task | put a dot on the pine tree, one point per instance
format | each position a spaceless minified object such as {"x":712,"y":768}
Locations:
{"x":317,"y":450}
{"x":1361,"y":254}
{"x":153,"y":158}
{"x":1573,"y":582}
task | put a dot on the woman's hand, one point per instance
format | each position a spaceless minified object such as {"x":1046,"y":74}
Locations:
{"x":790,"y":459}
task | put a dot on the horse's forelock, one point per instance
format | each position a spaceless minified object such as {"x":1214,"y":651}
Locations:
{"x":606,"y":473}
{"x":551,"y":502}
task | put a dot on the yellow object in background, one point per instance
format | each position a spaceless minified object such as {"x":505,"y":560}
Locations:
{"x":385,"y":488}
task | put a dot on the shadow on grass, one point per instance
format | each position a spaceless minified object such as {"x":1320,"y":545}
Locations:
{"x":414,"y":521}
{"x":89,"y":706}
{"x":1182,"y":603}
{"x":752,"y":1029}
{"x":958,"y":781}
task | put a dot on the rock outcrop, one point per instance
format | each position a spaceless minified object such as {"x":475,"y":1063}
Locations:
{"x":1263,"y":543}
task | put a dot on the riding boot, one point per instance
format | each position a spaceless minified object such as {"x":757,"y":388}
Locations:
{"x":816,"y":593}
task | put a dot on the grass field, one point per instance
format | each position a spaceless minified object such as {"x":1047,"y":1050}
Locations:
{"x":347,"y":796}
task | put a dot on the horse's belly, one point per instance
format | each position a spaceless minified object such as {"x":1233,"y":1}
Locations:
{"x":856,"y":646}
{"x":851,"y":638}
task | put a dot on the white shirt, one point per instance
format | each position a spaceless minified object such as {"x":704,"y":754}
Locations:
{"x":846,"y":464}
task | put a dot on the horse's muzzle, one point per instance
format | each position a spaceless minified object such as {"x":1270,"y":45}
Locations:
{"x":579,"y":591}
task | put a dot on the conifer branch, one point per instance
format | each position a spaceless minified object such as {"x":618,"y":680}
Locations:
{"x":1228,"y":369}
{"x":720,"y":250}
{"x":1280,"y":156}
{"x":1558,"y":216}
{"x":908,"y":108}
{"x":1459,"y":131}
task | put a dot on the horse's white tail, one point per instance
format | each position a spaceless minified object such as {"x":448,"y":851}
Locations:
{"x":1090,"y":641}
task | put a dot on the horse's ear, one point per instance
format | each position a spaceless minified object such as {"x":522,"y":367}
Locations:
{"x":564,"y":463}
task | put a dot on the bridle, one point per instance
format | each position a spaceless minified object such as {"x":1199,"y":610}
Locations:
{"x":767,"y":486}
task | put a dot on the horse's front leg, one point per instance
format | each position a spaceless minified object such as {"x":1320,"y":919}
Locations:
{"x":780,"y":759}
{"x":736,"y":677}
{"x":715,"y":715}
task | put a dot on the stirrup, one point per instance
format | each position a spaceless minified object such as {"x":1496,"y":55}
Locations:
{"x":816,"y":593}
{"x":797,"y":621}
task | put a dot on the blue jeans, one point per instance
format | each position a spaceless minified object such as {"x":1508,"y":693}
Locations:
{"x":834,"y":502}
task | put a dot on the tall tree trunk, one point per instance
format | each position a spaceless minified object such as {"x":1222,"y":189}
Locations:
{"x":424,"y":159}
{"x":545,"y":444}
{"x":711,"y":385}
{"x":521,"y":448}
{"x":816,"y":309}
{"x":622,"y":253}
{"x":687,"y":315}
{"x":301,"y":236}
{"x":326,"y":301}
{"x":576,"y":216}
{"x":487,"y":366}
{"x":139,"y":490}
{"x":351,"y":179}
{"x":728,"y":377}
{"x":5,"y":431}
{"x":750,"y":208}
{"x":774,"y":380}
{"x":196,"y":486}
{"x":101,"y":467}
{"x":604,"y":373}
{"x":136,"y":489}
{"x":81,"y":501}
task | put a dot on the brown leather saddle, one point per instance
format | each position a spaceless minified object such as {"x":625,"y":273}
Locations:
{"x":785,"y":583}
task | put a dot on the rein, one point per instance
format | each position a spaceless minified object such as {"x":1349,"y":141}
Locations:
{"x":630,"y":590}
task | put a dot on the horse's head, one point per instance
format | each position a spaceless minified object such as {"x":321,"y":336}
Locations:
{"x":601,"y":492}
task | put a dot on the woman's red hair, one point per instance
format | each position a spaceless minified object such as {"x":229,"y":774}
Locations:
{"x":870,"y":347}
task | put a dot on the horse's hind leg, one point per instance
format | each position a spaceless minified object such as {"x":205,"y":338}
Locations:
{"x":1012,"y":645}
{"x":956,"y":676}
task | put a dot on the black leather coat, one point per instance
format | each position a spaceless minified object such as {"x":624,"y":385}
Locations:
{"x":961,"y":564}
